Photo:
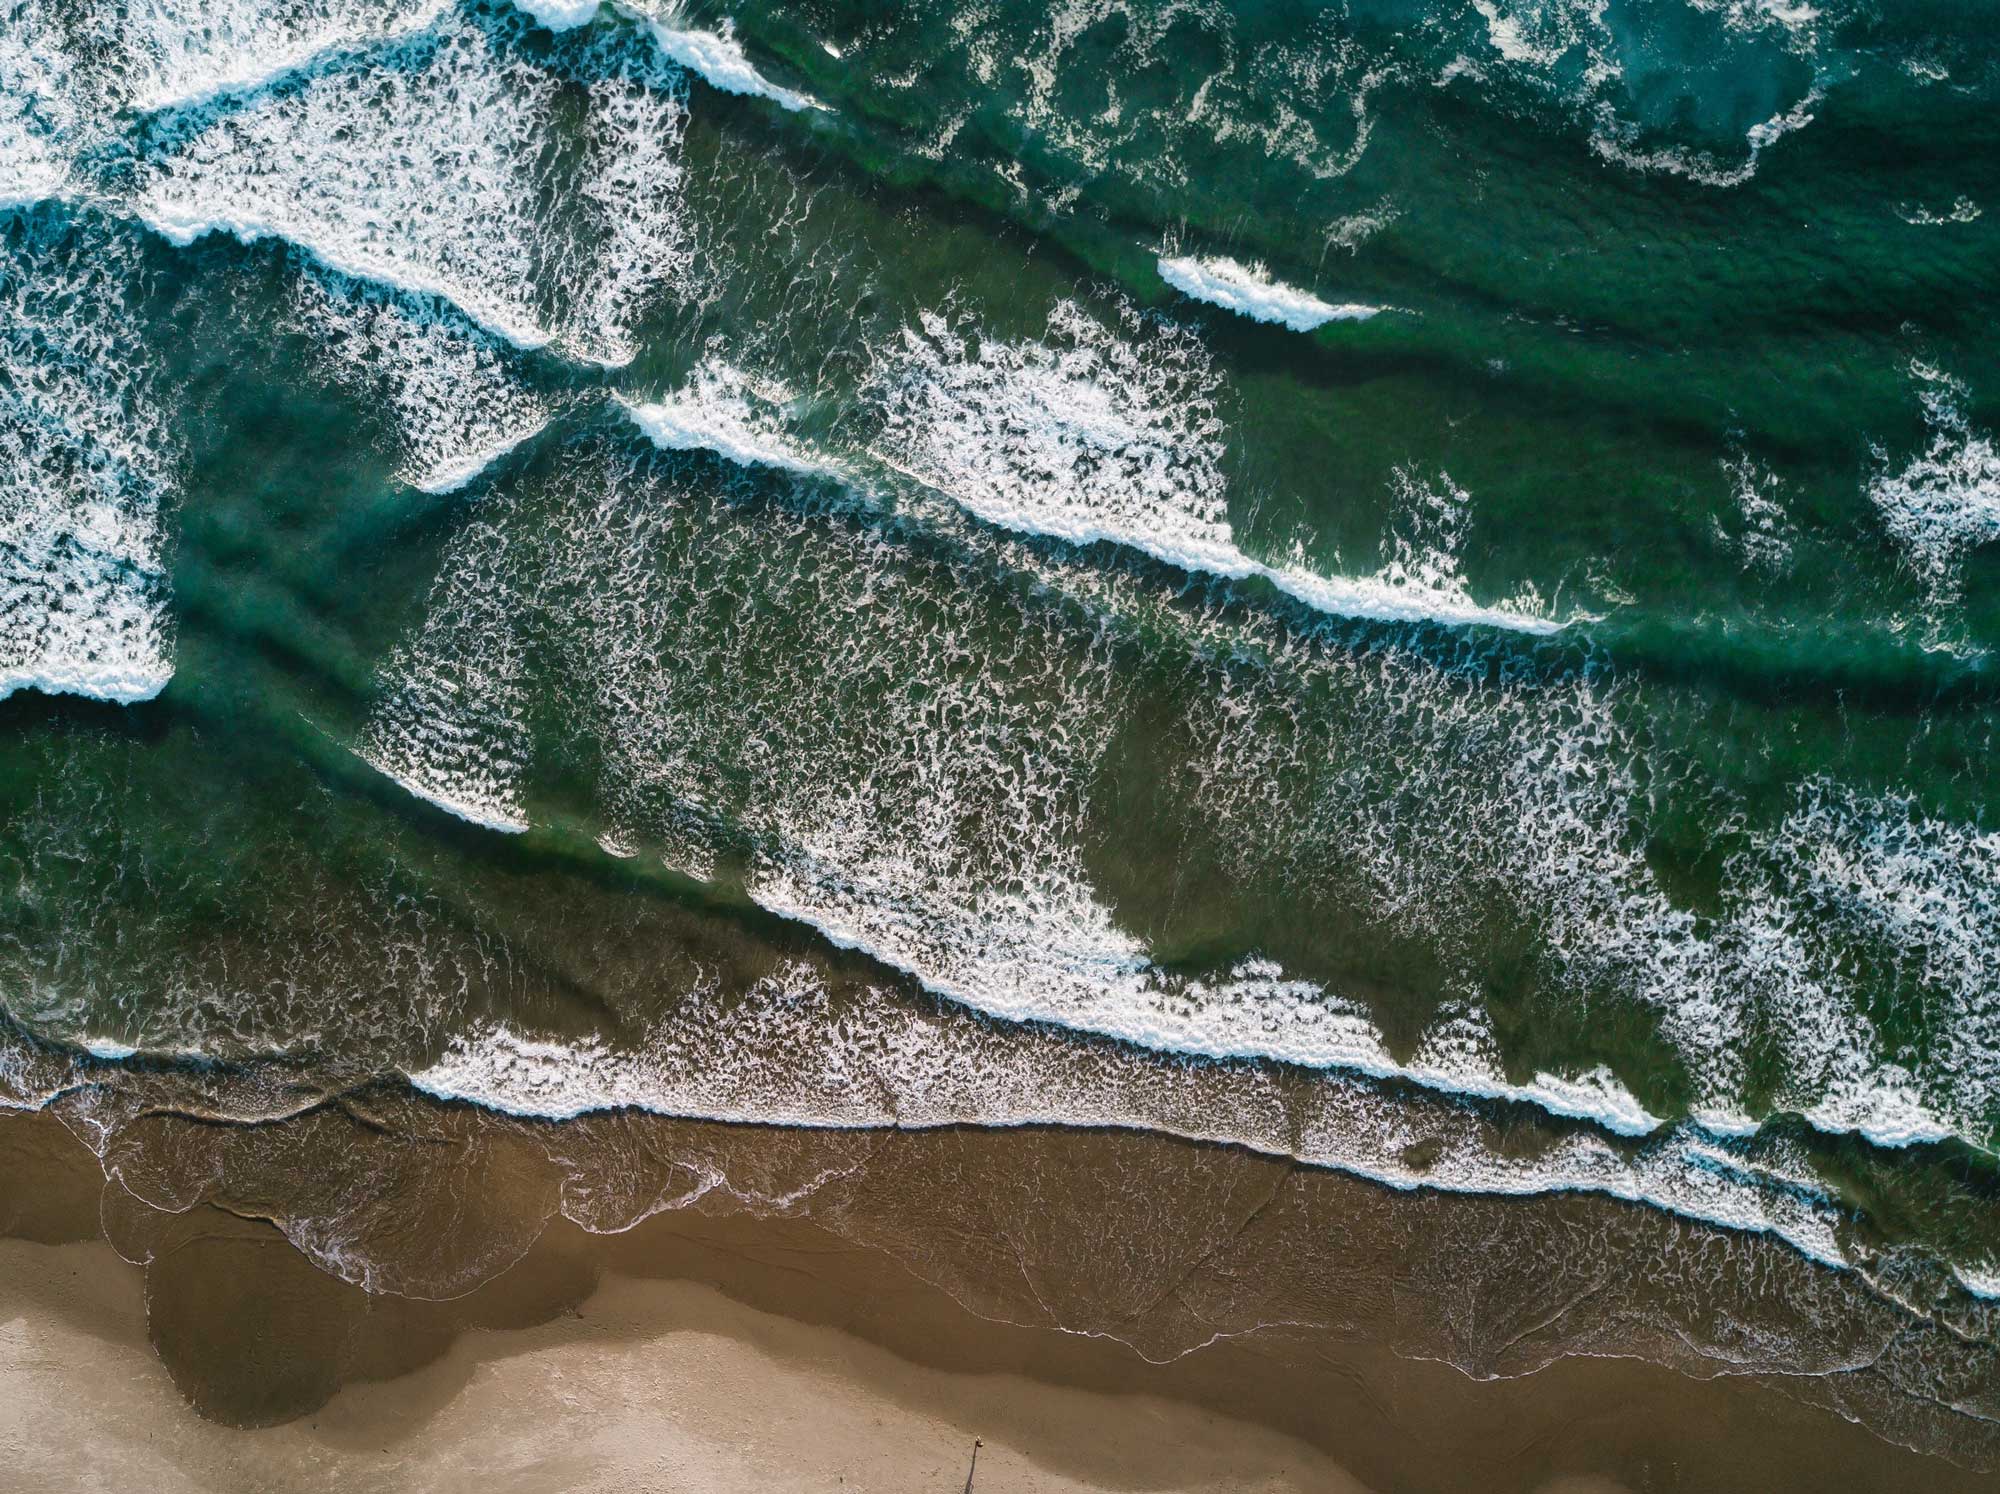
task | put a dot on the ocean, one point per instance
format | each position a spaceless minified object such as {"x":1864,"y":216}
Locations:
{"x":1407,"y":588}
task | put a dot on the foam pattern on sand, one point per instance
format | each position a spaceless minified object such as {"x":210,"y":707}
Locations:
{"x":785,"y":1052}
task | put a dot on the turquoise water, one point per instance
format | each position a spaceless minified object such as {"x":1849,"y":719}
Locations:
{"x":1407,"y":585}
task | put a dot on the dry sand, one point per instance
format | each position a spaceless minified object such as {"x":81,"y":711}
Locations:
{"x":651,"y":1386}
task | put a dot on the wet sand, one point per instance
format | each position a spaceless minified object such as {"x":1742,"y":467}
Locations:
{"x":724,"y":1349}
{"x":647,"y":1385}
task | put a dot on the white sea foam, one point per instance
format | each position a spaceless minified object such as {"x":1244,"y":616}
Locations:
{"x":449,"y":725}
{"x":1539,"y":34}
{"x":83,"y":672}
{"x":1056,"y":957}
{"x":1981,"y":1281}
{"x":417,"y":166}
{"x":736,"y":415}
{"x":789,"y":1055}
{"x":1962,"y":210}
{"x":922,"y":794}
{"x":489,"y":811}
{"x":85,"y":474}
{"x":560,"y":15}
{"x":1885,"y":1107}
{"x":1522,"y":796}
{"x":1761,"y":532}
{"x":1945,"y":500}
{"x":1042,"y":948}
{"x":1249,"y":291}
{"x":1008,"y":925}
{"x":449,"y":477}
{"x":38,"y":114}
{"x":1618,"y":142}
{"x":1576,"y":52}
{"x":1088,"y":439}
{"x":32,"y":1077}
{"x":1090,"y":436}
{"x":25,"y":181}
{"x":930,"y":813}
{"x":458,"y":405}
{"x":633,"y":192}
{"x":1921,"y":898}
{"x":417,"y":171}
{"x":1527,"y":798}
{"x":175,"y":54}
{"x":718,"y":56}
{"x":1355,"y":229}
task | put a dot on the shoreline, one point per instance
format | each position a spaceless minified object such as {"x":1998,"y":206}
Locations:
{"x":231,"y":1361}
{"x":643,"y":1385}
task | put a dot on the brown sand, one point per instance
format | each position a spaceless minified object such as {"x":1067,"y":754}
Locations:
{"x":652,"y":1386}
{"x":733,"y":1350}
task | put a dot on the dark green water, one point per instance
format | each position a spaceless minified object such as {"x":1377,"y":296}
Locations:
{"x":1411,"y":586}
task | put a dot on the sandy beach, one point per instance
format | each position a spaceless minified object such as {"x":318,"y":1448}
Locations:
{"x":732,"y":1351}
{"x":656,"y":1386}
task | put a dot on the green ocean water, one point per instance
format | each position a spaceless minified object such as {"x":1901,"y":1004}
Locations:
{"x":712,"y":562}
